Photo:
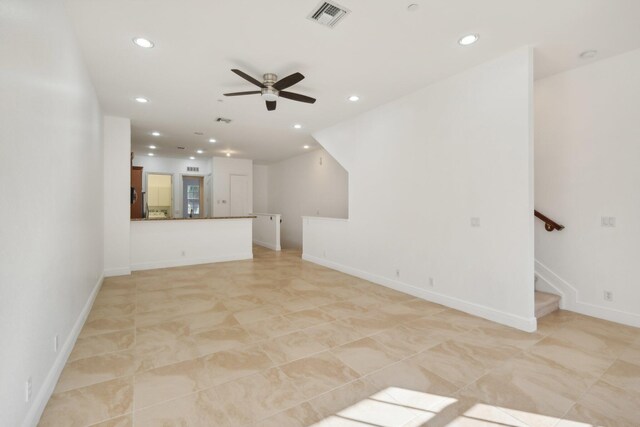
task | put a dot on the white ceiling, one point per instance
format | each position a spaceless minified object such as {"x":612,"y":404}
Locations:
{"x":379,"y":52}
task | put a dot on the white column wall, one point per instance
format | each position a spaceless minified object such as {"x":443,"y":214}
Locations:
{"x":51,"y":232}
{"x":421,"y":170}
{"x":117,"y":196}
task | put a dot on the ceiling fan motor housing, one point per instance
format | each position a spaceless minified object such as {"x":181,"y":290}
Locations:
{"x":269,"y":93}
{"x":269,"y":79}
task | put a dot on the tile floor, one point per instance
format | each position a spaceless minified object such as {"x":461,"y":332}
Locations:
{"x":280,"y":342}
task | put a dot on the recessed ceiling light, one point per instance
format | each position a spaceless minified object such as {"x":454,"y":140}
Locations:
{"x":153,"y":147}
{"x":588,"y":54}
{"x":213,"y":141}
{"x":354,"y":98}
{"x":142,"y":42}
{"x":228,"y":154}
{"x":306,"y":147}
{"x":192,"y":158}
{"x":413,"y":7}
{"x":142,"y":100}
{"x":199,"y":151}
{"x":297,"y":126}
{"x":150,"y":154}
{"x":155,"y":133}
{"x":468,"y":39}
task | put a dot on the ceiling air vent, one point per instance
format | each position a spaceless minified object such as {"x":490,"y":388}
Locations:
{"x":193,"y":169}
{"x":328,"y":14}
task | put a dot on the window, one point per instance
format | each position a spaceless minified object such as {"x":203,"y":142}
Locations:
{"x":193,"y":199}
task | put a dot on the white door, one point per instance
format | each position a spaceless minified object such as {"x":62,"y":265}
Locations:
{"x":238,"y":195}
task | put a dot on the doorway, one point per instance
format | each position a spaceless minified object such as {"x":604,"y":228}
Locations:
{"x":192,"y":197}
{"x":158,"y":198}
{"x":238,"y":195}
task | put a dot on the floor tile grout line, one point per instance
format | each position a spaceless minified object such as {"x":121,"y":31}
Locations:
{"x":368,"y":374}
{"x":598,"y":379}
{"x":112,"y":418}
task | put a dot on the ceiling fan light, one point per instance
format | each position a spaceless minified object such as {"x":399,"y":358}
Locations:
{"x":269,"y":97}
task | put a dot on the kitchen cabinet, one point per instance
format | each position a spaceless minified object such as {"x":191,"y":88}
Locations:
{"x":136,"y":184}
{"x":153,"y":196}
{"x":164,"y":196}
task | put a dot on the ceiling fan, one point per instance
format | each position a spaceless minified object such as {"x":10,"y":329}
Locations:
{"x":272,"y":88}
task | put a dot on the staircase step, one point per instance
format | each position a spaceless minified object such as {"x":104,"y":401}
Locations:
{"x":546,"y":303}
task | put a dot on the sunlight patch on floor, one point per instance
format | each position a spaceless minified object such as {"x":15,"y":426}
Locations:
{"x":400,"y":407}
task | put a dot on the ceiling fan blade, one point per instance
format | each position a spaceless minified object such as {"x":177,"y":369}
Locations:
{"x":248,"y":78}
{"x":297,"y":97}
{"x":271,"y":105}
{"x":288,"y":81}
{"x":253,"y":92}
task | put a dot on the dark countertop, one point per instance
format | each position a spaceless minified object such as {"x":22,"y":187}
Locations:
{"x":191,"y":219}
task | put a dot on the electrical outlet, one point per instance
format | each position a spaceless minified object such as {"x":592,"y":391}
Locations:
{"x":475,"y":222}
{"x":608,"y":296}
{"x":27,"y":390}
{"x":397,"y":272}
{"x":432,"y":282}
{"x":55,"y":344}
{"x":608,"y":221}
{"x":184,"y":253}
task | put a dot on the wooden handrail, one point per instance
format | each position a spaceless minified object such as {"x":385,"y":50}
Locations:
{"x":549,"y":224}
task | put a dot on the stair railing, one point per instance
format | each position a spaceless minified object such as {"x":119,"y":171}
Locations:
{"x":549,"y":224}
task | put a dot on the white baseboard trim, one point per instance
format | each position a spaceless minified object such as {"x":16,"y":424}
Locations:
{"x":117,"y":272}
{"x":190,"y":261}
{"x":571,"y":299}
{"x":49,"y":384}
{"x":522,"y":323}
{"x":267,"y":245}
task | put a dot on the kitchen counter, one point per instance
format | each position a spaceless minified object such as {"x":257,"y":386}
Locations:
{"x":182,"y":219}
{"x":161,"y":243}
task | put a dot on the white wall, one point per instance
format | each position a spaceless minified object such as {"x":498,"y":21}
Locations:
{"x":419,"y":169}
{"x":160,"y":244}
{"x":266,"y":230}
{"x":177,"y":168}
{"x":313,"y":184}
{"x":587,"y":156}
{"x":260,"y":188}
{"x":222,"y":168}
{"x":117,"y":195}
{"x":51,"y":244}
